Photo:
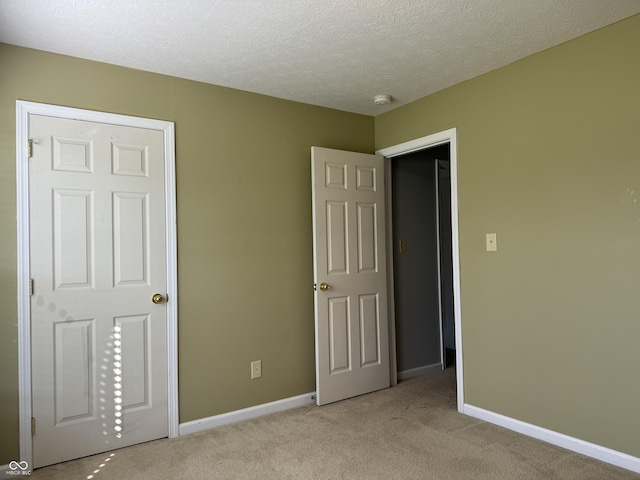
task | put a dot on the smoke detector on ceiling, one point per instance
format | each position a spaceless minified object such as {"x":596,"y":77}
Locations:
{"x":382,"y":99}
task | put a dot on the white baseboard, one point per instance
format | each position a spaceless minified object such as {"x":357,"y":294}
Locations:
{"x":570,"y":443}
{"x":416,"y":372}
{"x":247,"y":413}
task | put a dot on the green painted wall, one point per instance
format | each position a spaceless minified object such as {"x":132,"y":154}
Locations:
{"x":244,"y":224}
{"x":549,"y":159}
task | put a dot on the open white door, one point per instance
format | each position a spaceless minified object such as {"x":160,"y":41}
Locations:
{"x":352,"y":337}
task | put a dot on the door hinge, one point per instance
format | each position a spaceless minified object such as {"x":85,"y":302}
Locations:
{"x":30,"y":286}
{"x":33,"y":425}
{"x":30,"y":149}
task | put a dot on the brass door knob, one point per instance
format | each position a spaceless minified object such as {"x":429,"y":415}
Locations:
{"x":157,"y":298}
{"x":324,"y":287}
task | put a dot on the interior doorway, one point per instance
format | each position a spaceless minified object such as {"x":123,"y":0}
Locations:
{"x":331,"y":235}
{"x":446,"y":137}
{"x":422,"y":260}
{"x":71,"y":327}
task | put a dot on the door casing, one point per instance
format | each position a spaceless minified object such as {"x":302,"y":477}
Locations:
{"x":23,"y":111}
{"x":422,"y":143}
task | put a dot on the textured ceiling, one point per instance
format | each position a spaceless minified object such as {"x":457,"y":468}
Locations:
{"x":334,"y":53}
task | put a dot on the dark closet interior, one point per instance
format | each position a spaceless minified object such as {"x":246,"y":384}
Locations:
{"x":422,"y":259}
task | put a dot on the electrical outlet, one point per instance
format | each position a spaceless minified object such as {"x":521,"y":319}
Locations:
{"x":256,"y":369}
{"x":403,"y":246}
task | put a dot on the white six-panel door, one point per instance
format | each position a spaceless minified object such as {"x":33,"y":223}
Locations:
{"x":98,"y":255}
{"x":352,"y":346}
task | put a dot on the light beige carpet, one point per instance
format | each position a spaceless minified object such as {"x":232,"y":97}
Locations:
{"x":411,"y":431}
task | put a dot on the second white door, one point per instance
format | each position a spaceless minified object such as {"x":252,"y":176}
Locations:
{"x":98,"y":257}
{"x":352,"y":338}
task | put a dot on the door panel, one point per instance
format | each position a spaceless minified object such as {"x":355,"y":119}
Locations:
{"x":337,"y":254}
{"x":74,"y":347}
{"x":73,"y":233}
{"x":339,"y":328}
{"x":352,"y":346}
{"x":369,"y":330}
{"x":134,"y":331}
{"x":367,"y":235}
{"x":98,"y":254}
{"x":131,"y":239}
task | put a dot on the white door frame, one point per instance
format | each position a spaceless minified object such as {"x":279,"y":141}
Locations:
{"x":447,"y":136}
{"x":23,"y":110}
{"x":443,"y":360}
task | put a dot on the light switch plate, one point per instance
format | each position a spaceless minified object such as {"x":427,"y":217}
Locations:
{"x":256,"y":369}
{"x":492,"y":242}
